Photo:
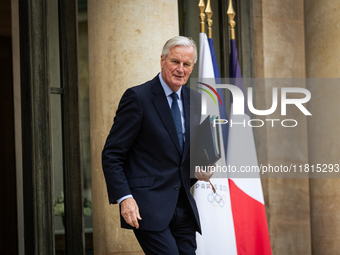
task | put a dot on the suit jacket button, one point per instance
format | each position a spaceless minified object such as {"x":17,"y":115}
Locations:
{"x":176,"y":187}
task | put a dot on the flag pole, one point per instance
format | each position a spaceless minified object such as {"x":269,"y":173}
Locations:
{"x":231,"y":13}
{"x":201,"y":5}
{"x":209,"y":13}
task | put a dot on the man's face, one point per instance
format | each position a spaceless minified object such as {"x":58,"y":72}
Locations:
{"x":177,"y":67}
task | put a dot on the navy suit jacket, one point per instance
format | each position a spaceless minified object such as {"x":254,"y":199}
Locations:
{"x":142,"y":155}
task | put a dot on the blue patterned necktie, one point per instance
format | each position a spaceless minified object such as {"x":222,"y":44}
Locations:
{"x":176,"y":114}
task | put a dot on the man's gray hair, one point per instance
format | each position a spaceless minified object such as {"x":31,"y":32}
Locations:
{"x":179,"y":41}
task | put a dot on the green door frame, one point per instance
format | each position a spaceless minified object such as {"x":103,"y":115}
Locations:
{"x":38,"y":212}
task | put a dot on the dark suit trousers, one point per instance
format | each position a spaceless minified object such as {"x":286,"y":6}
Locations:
{"x":178,"y":238}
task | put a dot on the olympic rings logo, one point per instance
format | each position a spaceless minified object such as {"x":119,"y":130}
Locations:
{"x":216,"y":200}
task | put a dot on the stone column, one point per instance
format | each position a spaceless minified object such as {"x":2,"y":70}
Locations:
{"x":279,"y":53}
{"x":322,"y":61}
{"x":125,"y":43}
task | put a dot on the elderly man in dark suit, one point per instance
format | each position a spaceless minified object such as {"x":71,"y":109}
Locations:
{"x":146,"y":158}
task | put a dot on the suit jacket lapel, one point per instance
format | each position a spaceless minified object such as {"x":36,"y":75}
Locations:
{"x":186,"y":107}
{"x":162,"y":106}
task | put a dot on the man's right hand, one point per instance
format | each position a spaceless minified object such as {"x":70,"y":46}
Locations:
{"x":130,"y":212}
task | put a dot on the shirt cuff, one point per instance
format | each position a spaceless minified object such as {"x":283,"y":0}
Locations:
{"x":123,"y":198}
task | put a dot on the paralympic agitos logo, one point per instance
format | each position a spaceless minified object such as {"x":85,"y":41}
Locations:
{"x":239,"y":104}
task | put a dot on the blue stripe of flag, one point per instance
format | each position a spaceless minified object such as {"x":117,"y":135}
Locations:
{"x":222,"y":108}
{"x":235,"y":71}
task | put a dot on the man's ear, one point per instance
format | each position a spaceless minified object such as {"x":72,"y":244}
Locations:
{"x":192,"y":67}
{"x":162,"y":60}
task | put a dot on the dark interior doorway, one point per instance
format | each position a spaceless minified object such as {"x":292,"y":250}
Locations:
{"x":8,"y":212}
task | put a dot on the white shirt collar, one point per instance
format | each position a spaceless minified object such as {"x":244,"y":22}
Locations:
{"x":168,"y":91}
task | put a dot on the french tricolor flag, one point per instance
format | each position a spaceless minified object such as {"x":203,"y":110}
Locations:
{"x":233,"y":220}
{"x":246,"y":197}
{"x":218,"y":236}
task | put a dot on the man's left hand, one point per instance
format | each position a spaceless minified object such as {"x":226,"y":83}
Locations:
{"x":203,"y":175}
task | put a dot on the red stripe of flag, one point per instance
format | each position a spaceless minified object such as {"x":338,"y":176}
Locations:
{"x":250,"y":223}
